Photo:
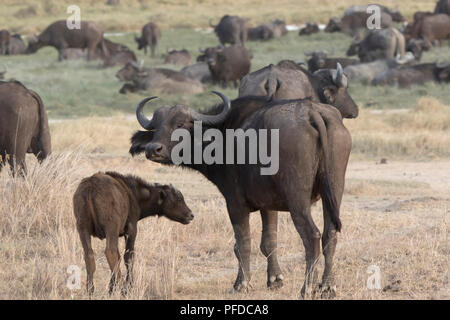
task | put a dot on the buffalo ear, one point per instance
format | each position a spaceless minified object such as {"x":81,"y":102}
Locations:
{"x":139,"y":140}
{"x":330,"y":94}
{"x":162,"y":196}
{"x":144,"y":193}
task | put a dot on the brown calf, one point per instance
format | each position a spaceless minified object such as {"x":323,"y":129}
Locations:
{"x":109,"y":205}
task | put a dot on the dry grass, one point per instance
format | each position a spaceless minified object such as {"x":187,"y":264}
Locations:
{"x":130,"y":15}
{"x":394,"y":215}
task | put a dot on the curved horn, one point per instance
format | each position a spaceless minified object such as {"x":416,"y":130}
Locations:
{"x":141,"y":118}
{"x":339,"y":79}
{"x":215,"y":119}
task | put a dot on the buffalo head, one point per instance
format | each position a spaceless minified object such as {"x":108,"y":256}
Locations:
{"x":156,"y":141}
{"x":33,"y":44}
{"x":333,"y":25}
{"x":140,"y":42}
{"x":333,"y":86}
{"x":130,"y":71}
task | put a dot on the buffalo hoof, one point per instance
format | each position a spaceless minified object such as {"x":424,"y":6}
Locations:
{"x":241,"y":287}
{"x":326,"y":291}
{"x":275,"y":282}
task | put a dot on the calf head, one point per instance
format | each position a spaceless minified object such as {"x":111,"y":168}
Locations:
{"x":333,"y":25}
{"x":156,"y":140}
{"x":332,"y":89}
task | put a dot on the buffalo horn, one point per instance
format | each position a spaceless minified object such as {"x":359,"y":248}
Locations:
{"x":215,"y":119}
{"x":145,"y":122}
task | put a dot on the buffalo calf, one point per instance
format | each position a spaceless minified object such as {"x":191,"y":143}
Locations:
{"x":109,"y":205}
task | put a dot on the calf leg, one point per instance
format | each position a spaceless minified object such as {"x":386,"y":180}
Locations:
{"x":269,"y":246}
{"x":89,"y":259}
{"x":242,"y":247}
{"x":310,"y":235}
{"x":129,"y":254}
{"x":113,"y":257}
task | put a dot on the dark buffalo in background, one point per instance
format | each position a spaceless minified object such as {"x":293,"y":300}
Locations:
{"x":320,"y":60}
{"x":442,"y":6}
{"x":313,"y":162}
{"x":288,"y":80}
{"x":57,"y":35}
{"x":199,"y":71}
{"x":150,"y":36}
{"x":355,"y":23}
{"x":16,"y":45}
{"x":396,"y":15}
{"x":266,"y":31}
{"x":417,"y":74}
{"x":310,"y":28}
{"x":23,"y":125}
{"x":5,"y":37}
{"x":227,"y":63}
{"x":379,"y":44}
{"x":231,"y":29}
{"x":157,"y":80}
{"x":178,"y":57}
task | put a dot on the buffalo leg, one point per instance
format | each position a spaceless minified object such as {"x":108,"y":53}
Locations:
{"x":89,"y":260}
{"x":329,"y":241}
{"x":113,"y":257}
{"x":310,"y":235}
{"x":242,"y":247}
{"x":269,"y":248}
{"x":129,"y":254}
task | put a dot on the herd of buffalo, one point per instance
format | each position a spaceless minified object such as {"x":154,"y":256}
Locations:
{"x":306,"y":105}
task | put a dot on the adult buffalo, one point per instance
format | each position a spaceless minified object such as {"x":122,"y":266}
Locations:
{"x":442,"y":6}
{"x":396,"y":15}
{"x":417,"y":74}
{"x":430,"y":28}
{"x":378,"y":44}
{"x":366,"y":72}
{"x":320,"y":60}
{"x":156,"y":79}
{"x":178,"y":57}
{"x":311,"y":165}
{"x":356,"y":23}
{"x":199,"y":71}
{"x":150,"y":36}
{"x":266,"y":31}
{"x":287,"y":80}
{"x":231,"y":29}
{"x":227,"y":63}
{"x":309,"y":29}
{"x":23,"y":125}
{"x":5,"y":38}
{"x":16,"y":45}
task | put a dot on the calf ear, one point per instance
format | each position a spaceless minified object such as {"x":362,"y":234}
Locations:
{"x":139,"y":140}
{"x":162,"y":196}
{"x":330,"y":94}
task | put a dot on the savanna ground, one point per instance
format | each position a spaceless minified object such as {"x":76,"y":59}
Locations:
{"x":395,"y":215}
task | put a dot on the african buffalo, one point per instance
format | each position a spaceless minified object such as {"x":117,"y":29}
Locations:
{"x":199,"y":71}
{"x":16,"y":45}
{"x":150,"y":36}
{"x":365,"y":72}
{"x":430,"y":27}
{"x":227,"y":63}
{"x":157,"y":80}
{"x":417,"y":74}
{"x":178,"y":57}
{"x":266,"y":31}
{"x":109,"y":205}
{"x":356,"y":23}
{"x":320,"y":60}
{"x":5,"y":38}
{"x":442,"y":6}
{"x":23,"y":125}
{"x":395,"y":14}
{"x":57,"y":35}
{"x":310,"y":28}
{"x":231,"y":29}
{"x":378,"y":44}
{"x":311,"y":166}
